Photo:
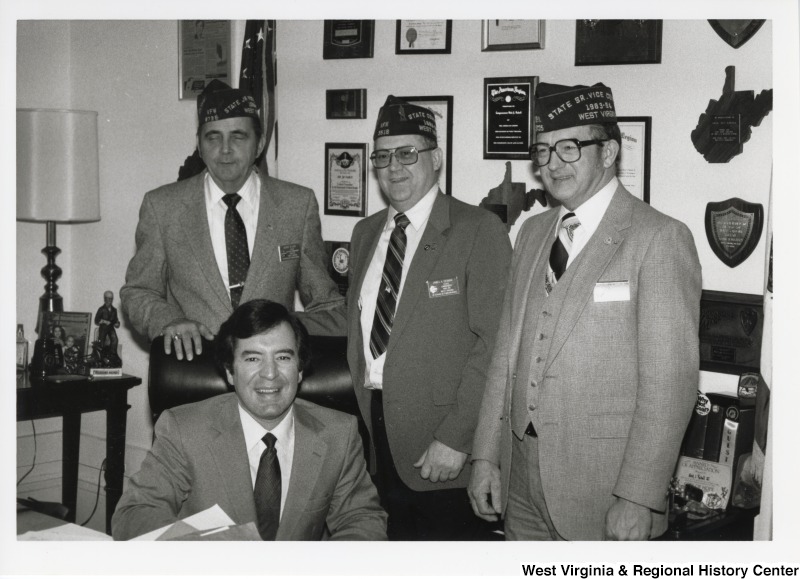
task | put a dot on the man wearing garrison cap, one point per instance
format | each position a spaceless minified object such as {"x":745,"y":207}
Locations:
{"x":595,"y":370}
{"x":226,"y":236}
{"x":428,"y":275}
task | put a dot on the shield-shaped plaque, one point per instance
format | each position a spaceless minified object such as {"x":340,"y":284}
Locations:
{"x":736,"y":32}
{"x":733,"y":228}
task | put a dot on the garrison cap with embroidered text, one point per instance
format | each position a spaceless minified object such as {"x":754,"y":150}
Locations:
{"x":397,"y":117}
{"x":560,"y":107}
{"x":219,"y":101}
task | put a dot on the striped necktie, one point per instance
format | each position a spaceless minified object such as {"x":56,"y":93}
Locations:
{"x":390,"y":286}
{"x":559,"y":254}
{"x":236,"y":248}
{"x":267,"y":490}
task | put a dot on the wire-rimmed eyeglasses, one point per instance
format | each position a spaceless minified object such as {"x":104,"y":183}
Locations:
{"x":568,"y":150}
{"x":405,"y":156}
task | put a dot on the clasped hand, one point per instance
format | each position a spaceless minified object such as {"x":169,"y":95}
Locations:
{"x":440,"y":463}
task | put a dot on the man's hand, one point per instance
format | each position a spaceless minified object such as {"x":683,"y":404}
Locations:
{"x":484,"y":486}
{"x":181,"y":334}
{"x":627,"y":521}
{"x":440,"y":463}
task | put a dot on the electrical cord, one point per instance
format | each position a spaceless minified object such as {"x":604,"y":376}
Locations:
{"x":97,"y":496}
{"x":33,"y":465}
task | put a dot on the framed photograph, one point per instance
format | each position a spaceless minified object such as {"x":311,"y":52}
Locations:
{"x":731,"y":327}
{"x":346,"y":179}
{"x":348,"y":39}
{"x":634,"y":165}
{"x":22,"y":356}
{"x":442,"y":107}
{"x":203,"y":55}
{"x":349,"y":103}
{"x":508,"y":116}
{"x":617,"y":42}
{"x":423,"y":36}
{"x":512,"y":35}
{"x":70,"y":330}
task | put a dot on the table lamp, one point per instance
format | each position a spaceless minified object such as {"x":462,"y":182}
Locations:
{"x":57,"y":181}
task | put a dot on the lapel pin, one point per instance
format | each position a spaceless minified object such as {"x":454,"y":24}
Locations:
{"x":430,"y":247}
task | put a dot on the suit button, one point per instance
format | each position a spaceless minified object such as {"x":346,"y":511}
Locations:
{"x":541,"y":336}
{"x":531,"y":406}
{"x":538,"y":359}
{"x":545,"y":314}
{"x":533,"y":383}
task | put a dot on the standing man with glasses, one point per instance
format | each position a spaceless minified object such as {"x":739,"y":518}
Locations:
{"x":428,"y":275}
{"x":595,"y":371}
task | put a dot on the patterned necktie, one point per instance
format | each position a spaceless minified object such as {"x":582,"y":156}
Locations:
{"x":559,"y":254}
{"x":267,"y":491}
{"x":236,"y":248}
{"x":390,"y":285}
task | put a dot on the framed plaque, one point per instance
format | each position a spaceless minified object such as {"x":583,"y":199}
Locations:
{"x":512,"y":35}
{"x":442,"y":107}
{"x":731,"y":326}
{"x":508,"y":117}
{"x":348,"y":39}
{"x":423,"y":36}
{"x":339,"y":263}
{"x":203,"y":55}
{"x":634,"y":165}
{"x":346,"y":179}
{"x":617,"y":42}
{"x":350,"y":103}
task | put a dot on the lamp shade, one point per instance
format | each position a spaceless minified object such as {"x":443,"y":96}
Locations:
{"x":57,"y":166}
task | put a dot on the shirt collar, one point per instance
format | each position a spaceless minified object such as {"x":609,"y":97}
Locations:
{"x":417,"y":215}
{"x":254,"y":432}
{"x":249,"y":191}
{"x":591,"y":212}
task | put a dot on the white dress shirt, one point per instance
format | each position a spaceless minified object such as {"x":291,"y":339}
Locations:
{"x":589,"y":214}
{"x":284,"y":446}
{"x":418,"y":216}
{"x":216,"y":209}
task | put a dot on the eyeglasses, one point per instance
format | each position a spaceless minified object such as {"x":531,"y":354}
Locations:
{"x":568,"y":150}
{"x":405,"y":156}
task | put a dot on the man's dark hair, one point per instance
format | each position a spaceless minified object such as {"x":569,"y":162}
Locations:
{"x":253,"y":318}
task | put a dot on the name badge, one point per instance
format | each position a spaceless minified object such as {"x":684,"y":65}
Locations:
{"x":290,"y":251}
{"x":612,"y":291}
{"x":443,"y":288}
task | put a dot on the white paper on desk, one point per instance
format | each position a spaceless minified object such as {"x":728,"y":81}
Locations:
{"x":68,"y":532}
{"x":211,"y":518}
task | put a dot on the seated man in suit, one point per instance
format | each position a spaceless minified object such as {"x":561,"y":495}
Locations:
{"x":294,"y":468}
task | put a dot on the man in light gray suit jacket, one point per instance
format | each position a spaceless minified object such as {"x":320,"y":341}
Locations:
{"x":180,"y":281}
{"x":213,"y":452}
{"x":595,"y":370}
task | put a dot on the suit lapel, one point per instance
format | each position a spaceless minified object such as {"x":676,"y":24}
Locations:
{"x":590,"y":265}
{"x":194,"y":223}
{"x":434,"y":238}
{"x":309,"y":454}
{"x":263,"y":258}
{"x":230,"y":454}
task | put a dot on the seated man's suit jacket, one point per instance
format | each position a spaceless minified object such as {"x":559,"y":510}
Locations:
{"x":440,"y":345}
{"x":174,"y":273}
{"x":199,"y":459}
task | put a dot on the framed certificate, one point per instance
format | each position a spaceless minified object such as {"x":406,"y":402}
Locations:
{"x":442,"y":107}
{"x":423,"y":36}
{"x":634,"y":165}
{"x":348,"y":39}
{"x":512,"y":35}
{"x":203,"y":55}
{"x":508,"y":116}
{"x":617,"y":42}
{"x":346,"y":179}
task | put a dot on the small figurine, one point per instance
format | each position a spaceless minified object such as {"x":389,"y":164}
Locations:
{"x":107,"y":320}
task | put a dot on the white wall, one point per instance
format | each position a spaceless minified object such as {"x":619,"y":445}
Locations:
{"x":128,"y":72}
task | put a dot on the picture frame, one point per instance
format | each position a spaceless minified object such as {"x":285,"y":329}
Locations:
{"x":203,"y":55}
{"x":70,"y":330}
{"x":442,"y":107}
{"x":731,"y":329}
{"x":423,"y":37}
{"x":348,"y":39}
{"x":602,"y":42}
{"x":22,"y":356}
{"x":512,"y":35}
{"x":634,"y":165}
{"x":346,"y":179}
{"x":508,"y":116}
{"x":349,"y":103}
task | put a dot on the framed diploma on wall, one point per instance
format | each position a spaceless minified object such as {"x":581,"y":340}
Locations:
{"x":512,"y":35}
{"x":346,"y":179}
{"x":634,"y":165}
{"x":423,"y":36}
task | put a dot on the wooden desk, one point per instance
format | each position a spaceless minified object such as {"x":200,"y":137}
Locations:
{"x":38,"y":398}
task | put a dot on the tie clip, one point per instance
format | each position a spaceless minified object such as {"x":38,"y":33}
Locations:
{"x":235,"y":286}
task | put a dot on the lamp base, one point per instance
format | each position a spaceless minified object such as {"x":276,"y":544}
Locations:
{"x":50,"y":300}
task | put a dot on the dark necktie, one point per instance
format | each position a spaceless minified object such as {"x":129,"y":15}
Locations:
{"x":559,"y":254}
{"x":267,"y":491}
{"x":236,"y":248}
{"x":390,"y":284}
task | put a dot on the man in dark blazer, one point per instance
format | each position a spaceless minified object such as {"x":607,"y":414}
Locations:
{"x":596,"y":367}
{"x":179,"y":283}
{"x":211,"y":452}
{"x":423,"y":309}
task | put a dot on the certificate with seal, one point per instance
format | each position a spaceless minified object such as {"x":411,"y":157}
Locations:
{"x":346,"y":179}
{"x":423,"y":36}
